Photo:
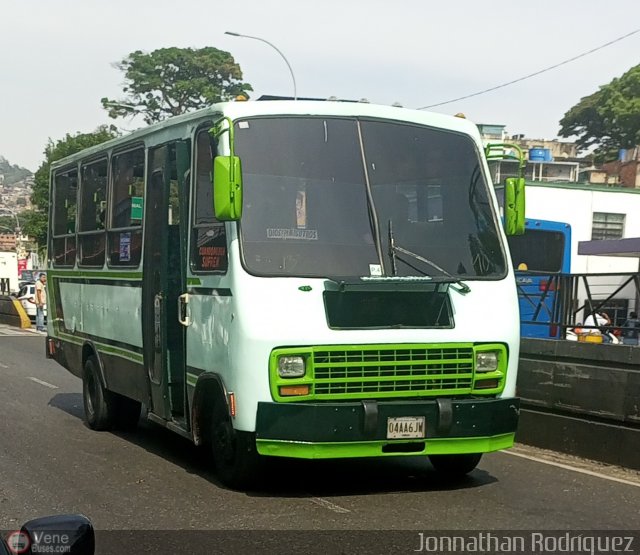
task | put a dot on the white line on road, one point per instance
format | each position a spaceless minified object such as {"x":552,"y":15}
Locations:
{"x":573,"y":468}
{"x":46,"y":384}
{"x":3,"y":365}
{"x":328,"y":505}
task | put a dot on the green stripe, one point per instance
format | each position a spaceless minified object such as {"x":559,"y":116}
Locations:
{"x":440,"y":446}
{"x":103,"y":348}
{"x":98,"y":274}
{"x":122,"y":353}
{"x":192,"y":379}
{"x":194,"y":281}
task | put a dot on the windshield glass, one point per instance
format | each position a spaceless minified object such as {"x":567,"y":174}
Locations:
{"x":306,"y":208}
{"x":538,"y":250}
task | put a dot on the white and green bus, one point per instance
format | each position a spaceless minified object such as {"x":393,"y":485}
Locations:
{"x":291,"y":279}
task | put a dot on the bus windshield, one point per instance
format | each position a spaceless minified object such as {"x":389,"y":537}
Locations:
{"x":538,"y":251}
{"x":314,"y":188}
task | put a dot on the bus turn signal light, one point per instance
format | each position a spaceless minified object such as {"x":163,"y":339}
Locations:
{"x":291,"y":390}
{"x":232,"y":404}
{"x":486,"y":384}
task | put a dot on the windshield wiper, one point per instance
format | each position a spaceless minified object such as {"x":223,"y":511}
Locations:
{"x":462,"y":288}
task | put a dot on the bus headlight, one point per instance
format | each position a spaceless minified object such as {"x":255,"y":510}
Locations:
{"x":291,"y":367}
{"x":486,"y":361}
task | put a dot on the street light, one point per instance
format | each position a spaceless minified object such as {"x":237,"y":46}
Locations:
{"x":122,"y":105}
{"x":295,"y":93}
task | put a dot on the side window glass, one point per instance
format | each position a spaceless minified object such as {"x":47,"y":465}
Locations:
{"x":209,"y":239}
{"x":127,"y":208}
{"x":65,"y":190}
{"x":93,"y":209}
{"x":93,"y":196}
{"x":128,"y":189}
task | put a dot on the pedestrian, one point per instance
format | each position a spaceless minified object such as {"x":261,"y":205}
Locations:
{"x":631,"y":330}
{"x":596,"y":324}
{"x":41,"y":301}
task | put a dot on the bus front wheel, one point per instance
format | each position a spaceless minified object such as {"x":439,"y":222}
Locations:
{"x":455,"y":465}
{"x":235,"y":458}
{"x":98,"y":402}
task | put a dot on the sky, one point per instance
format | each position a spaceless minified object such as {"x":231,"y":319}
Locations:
{"x":57,"y":56}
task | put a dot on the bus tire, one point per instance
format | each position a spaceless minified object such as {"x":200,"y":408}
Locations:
{"x":127,"y":413}
{"x":455,"y":465}
{"x":98,"y":402}
{"x":235,"y":458}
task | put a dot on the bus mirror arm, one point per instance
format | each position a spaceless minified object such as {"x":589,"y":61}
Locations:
{"x":183,"y":318}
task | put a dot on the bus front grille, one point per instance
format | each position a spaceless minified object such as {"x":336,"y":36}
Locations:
{"x":392,"y":372}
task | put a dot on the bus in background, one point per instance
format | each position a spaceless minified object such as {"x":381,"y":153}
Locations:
{"x":291,"y":279}
{"x":538,"y":256}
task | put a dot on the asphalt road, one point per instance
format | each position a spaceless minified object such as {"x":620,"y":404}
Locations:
{"x":151,"y":479}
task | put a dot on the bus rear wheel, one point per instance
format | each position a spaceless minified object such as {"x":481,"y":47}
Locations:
{"x":455,"y":465}
{"x":99,"y":403}
{"x":235,"y":458}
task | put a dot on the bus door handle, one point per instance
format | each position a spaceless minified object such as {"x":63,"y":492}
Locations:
{"x":183,"y":315}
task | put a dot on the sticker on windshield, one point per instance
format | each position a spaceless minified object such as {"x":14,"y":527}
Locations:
{"x":301,"y":209}
{"x":375,"y":270}
{"x":283,"y":233}
{"x":125,"y":247}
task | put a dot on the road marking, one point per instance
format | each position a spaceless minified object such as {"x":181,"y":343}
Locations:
{"x":46,"y":384}
{"x":324,"y":503}
{"x":573,"y":468}
{"x":3,"y":365}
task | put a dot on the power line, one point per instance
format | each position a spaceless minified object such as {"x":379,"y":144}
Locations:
{"x":535,"y":73}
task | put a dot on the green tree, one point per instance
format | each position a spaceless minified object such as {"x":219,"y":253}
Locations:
{"x":7,"y":223}
{"x":61,"y":148}
{"x":609,"y":118}
{"x":34,"y":224}
{"x":171,"y":81}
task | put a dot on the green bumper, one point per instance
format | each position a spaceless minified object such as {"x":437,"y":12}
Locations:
{"x":359,"y":429}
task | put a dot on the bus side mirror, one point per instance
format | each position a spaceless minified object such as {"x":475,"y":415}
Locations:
{"x":227,"y":188}
{"x":514,"y":206}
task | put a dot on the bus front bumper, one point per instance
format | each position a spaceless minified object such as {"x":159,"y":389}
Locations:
{"x":360,"y":429}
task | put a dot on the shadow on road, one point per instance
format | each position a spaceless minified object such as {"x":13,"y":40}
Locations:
{"x":71,"y":403}
{"x":292,"y":478}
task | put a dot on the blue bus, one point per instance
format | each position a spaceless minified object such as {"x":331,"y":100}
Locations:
{"x":539,"y":256}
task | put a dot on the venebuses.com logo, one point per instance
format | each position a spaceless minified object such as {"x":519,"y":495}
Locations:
{"x":18,"y":542}
{"x":21,"y":543}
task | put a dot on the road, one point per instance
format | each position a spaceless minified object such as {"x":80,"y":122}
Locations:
{"x":151,"y":479}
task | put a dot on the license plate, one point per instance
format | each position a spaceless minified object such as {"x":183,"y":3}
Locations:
{"x":406,"y":427}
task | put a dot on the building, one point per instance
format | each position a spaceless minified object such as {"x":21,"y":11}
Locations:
{"x":626,"y":170}
{"x":8,"y":241}
{"x":595,"y":213}
{"x":547,"y":160}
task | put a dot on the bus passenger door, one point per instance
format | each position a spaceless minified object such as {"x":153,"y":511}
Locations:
{"x":164,"y":279}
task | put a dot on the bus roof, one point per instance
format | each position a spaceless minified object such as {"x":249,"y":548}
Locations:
{"x":546,"y":225}
{"x":251,"y":108}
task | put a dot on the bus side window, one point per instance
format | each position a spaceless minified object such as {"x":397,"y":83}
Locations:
{"x":93,"y":195}
{"x":209,"y":239}
{"x":64,"y":217}
{"x":127,"y":208}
